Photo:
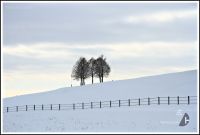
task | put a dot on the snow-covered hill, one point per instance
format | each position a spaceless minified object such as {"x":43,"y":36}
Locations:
{"x":126,"y":119}
{"x":173,"y":84}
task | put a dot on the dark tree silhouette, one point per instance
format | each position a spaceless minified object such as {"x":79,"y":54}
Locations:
{"x":81,"y":70}
{"x":92,"y":65}
{"x":102,"y":69}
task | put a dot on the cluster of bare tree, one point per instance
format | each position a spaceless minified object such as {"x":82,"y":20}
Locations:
{"x":93,"y":68}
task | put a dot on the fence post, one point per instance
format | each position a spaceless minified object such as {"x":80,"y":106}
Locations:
{"x":34,"y":107}
{"x":110,"y":103}
{"x":59,"y":106}
{"x":148,"y":101}
{"x":188,"y":100}
{"x":178,"y":100}
{"x":73,"y":106}
{"x":100,"y":104}
{"x":159,"y":100}
{"x":7,"y":109}
{"x":26,"y":108}
{"x":168,"y":100}
{"x":42,"y":107}
{"x":91,"y":105}
{"x":82,"y":105}
{"x":51,"y":106}
{"x":119,"y":103}
{"x":129,"y":102}
{"x":139,"y":101}
{"x":17,"y":108}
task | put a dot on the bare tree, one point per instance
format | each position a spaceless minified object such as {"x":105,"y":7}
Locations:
{"x":102,"y":69}
{"x":81,"y":70}
{"x":92,"y":64}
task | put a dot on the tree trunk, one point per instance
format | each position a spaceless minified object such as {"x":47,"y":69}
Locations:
{"x":92,"y":77}
{"x":102,"y":74}
{"x":81,"y":81}
{"x":100,"y":79}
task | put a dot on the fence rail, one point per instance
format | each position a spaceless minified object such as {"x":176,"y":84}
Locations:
{"x":103,"y":104}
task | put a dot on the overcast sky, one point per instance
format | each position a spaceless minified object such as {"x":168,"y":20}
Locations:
{"x":42,"y":41}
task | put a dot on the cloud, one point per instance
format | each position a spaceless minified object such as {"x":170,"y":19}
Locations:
{"x":37,"y":51}
{"x":161,"y":17}
{"x":133,"y":49}
{"x":60,"y":57}
{"x":98,"y":23}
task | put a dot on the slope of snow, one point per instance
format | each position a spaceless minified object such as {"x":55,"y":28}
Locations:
{"x":153,"y":118}
{"x":173,"y":84}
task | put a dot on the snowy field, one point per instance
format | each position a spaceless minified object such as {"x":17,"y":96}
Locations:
{"x":152,"y":118}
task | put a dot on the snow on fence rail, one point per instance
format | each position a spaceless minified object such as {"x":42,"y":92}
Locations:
{"x":103,"y":104}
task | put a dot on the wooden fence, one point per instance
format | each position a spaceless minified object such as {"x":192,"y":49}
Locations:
{"x":103,"y":104}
